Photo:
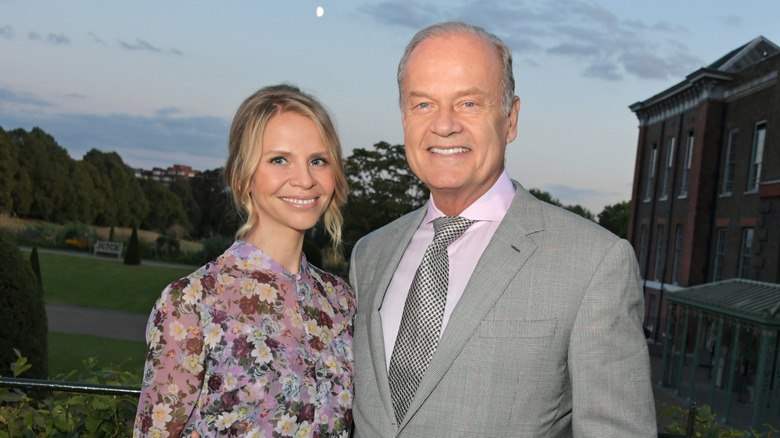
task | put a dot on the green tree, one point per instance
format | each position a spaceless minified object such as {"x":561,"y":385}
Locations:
{"x":35,"y":264}
{"x":615,"y":218}
{"x":9,"y":172}
{"x":382,"y":189}
{"x":133,"y":254}
{"x":127,"y":198}
{"x":214,"y":199}
{"x":167,"y":209}
{"x":183,"y":190}
{"x":576,"y":209}
{"x":23,"y":324}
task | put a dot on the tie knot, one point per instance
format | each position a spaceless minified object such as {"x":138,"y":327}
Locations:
{"x":448,"y":228}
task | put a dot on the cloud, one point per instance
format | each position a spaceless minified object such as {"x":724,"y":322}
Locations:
{"x":54,"y":39}
{"x":142,"y":141}
{"x":732,"y":20}
{"x":95,"y":38}
{"x":6,"y":32}
{"x":144,"y":46}
{"x":607,"y":46}
{"x":10,"y":99}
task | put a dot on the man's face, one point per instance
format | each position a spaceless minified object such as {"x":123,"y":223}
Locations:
{"x":455,"y":128}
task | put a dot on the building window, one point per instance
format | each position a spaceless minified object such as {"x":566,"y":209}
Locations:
{"x":668,"y":169}
{"x":720,"y":254}
{"x":686,"y":166}
{"x":754,"y":177}
{"x":728,"y":166}
{"x":643,"y":249}
{"x":678,"y":243}
{"x":651,"y":174}
{"x":659,"y":250}
{"x":744,"y":253}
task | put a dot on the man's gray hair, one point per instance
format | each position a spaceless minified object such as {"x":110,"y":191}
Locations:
{"x":459,"y":27}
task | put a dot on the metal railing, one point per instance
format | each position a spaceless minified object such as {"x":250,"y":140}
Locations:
{"x":77,"y":387}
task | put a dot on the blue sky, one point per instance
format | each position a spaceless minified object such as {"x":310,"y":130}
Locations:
{"x":159,"y":81}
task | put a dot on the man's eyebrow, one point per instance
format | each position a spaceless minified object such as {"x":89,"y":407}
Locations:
{"x":472,"y":91}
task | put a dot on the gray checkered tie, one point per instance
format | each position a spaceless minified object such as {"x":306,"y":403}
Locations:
{"x":420,"y":327}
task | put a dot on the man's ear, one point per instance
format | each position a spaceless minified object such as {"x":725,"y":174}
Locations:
{"x":514,"y":110}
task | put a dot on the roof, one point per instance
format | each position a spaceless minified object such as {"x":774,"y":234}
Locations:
{"x":742,"y":299}
{"x":745,"y":55}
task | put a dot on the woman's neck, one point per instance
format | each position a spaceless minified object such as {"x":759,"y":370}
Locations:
{"x":285,"y":249}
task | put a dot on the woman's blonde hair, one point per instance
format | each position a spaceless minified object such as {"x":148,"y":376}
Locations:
{"x":245,"y":146}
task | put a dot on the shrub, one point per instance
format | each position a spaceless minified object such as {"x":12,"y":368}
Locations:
{"x":133,"y":254}
{"x":23,"y":323}
{"x":75,"y":231}
{"x":69,"y":414}
{"x":35,"y":264}
{"x":214,"y":246}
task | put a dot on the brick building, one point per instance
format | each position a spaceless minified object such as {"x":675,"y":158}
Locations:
{"x":166,"y":176}
{"x":706,"y":193}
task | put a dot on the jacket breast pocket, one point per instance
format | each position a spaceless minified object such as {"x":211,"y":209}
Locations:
{"x":531,"y":332}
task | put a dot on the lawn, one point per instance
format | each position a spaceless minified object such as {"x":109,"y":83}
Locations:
{"x":67,"y":353}
{"x":103,"y":283}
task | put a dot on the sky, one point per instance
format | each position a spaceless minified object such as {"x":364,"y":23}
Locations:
{"x":159,"y":81}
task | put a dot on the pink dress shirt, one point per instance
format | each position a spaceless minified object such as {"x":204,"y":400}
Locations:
{"x":464,"y":253}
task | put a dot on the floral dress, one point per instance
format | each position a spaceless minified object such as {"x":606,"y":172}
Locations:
{"x":242,"y":347}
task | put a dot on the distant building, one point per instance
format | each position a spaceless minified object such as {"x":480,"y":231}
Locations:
{"x":166,"y":176}
{"x":706,"y":199}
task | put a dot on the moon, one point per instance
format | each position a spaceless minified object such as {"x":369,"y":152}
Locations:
{"x":320,"y":11}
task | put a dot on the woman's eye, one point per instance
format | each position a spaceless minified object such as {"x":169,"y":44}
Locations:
{"x":319,"y":162}
{"x":278,"y":160}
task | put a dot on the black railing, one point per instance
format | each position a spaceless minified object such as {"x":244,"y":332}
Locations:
{"x":84,"y":388}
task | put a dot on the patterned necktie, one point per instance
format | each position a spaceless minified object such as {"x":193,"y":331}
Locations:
{"x":420,"y":327}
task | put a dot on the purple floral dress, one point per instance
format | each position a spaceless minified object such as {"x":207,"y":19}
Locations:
{"x":241,"y":347}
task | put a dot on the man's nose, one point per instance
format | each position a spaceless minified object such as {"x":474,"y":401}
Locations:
{"x":446,"y":123}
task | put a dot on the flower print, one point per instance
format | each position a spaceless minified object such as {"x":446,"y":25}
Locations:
{"x":326,"y":307}
{"x":173,"y":388}
{"x":229,"y":400}
{"x":218,"y":316}
{"x":249,"y":305}
{"x":230,"y":382}
{"x":215,"y":383}
{"x":323,"y":393}
{"x":307,"y":413}
{"x":345,"y":398}
{"x":150,"y":372}
{"x":344,"y":303}
{"x":291,"y":386}
{"x":193,"y":364}
{"x":296,"y":320}
{"x":266,"y":293}
{"x":194,"y":345}
{"x":270,"y":326}
{"x":302,"y":293}
{"x":312,"y":328}
{"x":324,"y":320}
{"x":224,"y":279}
{"x":153,"y":337}
{"x":157,"y":432}
{"x":241,"y":347}
{"x":326,"y":336}
{"x":304,"y":430}
{"x":332,"y":365}
{"x":161,"y":414}
{"x":342,"y":348}
{"x":225,"y":420}
{"x":208,"y":282}
{"x":248,"y":287}
{"x":255,"y":433}
{"x":213,"y":335}
{"x":285,"y":426}
{"x":262,"y":354}
{"x":262,"y":277}
{"x":192,"y":292}
{"x":177,"y":330}
{"x":237,"y":328}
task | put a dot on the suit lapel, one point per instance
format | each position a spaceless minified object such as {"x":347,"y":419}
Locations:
{"x":506,"y":253}
{"x":395,"y":242}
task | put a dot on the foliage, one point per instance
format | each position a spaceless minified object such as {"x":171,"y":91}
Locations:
{"x":615,"y":218}
{"x":23,"y":323}
{"x":382,"y":189}
{"x":35,"y":264}
{"x":124,"y":200}
{"x":576,"y":209}
{"x":214,"y":200}
{"x":111,"y":234}
{"x":167,"y":211}
{"x":704,"y":423}
{"x":70,"y":414}
{"x":133,"y":254}
{"x":214,"y":246}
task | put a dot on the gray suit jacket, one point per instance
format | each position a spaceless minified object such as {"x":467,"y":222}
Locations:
{"x":546,"y":340}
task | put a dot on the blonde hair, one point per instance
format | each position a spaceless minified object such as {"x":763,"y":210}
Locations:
{"x":245,"y":147}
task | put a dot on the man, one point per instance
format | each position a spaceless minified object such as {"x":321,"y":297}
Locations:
{"x":540,"y":333}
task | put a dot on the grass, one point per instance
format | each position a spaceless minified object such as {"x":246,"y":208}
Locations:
{"x":101,"y":283}
{"x":67,"y":353}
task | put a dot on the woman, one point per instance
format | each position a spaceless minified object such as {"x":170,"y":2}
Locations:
{"x":258,"y":342}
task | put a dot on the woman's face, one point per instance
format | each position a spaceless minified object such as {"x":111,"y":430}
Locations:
{"x":293,"y":183}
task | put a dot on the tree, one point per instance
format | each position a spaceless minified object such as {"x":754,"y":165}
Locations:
{"x":382,"y":189}
{"x":548,"y":198}
{"x":615,"y":218}
{"x":214,"y":199}
{"x":133,"y":254}
{"x":35,"y":264}
{"x":127,"y":198}
{"x":23,"y":324}
{"x":183,"y":190}
{"x":167,"y":209}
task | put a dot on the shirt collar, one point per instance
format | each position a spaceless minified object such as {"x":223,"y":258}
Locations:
{"x":492,"y":206}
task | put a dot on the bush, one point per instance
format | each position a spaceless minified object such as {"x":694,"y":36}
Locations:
{"x":23,"y":323}
{"x":214,"y":246}
{"x":35,"y":264}
{"x":133,"y":254}
{"x":704,"y":423}
{"x":70,"y":414}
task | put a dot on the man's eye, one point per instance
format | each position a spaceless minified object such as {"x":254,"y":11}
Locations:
{"x":423,"y":105}
{"x":470,"y":104}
